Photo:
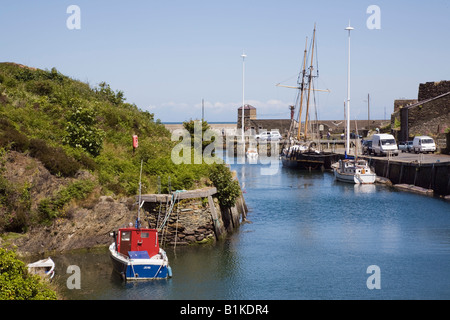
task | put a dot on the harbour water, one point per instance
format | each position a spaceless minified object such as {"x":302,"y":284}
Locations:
{"x":310,"y":237}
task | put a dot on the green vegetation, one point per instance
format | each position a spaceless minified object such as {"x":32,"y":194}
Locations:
{"x":69,"y":127}
{"x":49,"y":209}
{"x":397,"y":124}
{"x":17,"y":284}
{"x":228,"y":189}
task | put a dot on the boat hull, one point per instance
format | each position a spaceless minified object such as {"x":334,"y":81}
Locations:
{"x":309,"y":160}
{"x":355,"y":178}
{"x":140,"y":269}
{"x":45,"y":267}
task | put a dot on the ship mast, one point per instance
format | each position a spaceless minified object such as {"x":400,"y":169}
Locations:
{"x":302,"y":87}
{"x":309,"y":82}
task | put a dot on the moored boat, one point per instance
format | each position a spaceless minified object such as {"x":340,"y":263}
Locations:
{"x":304,"y":158}
{"x":135,"y":252}
{"x":252,"y":153}
{"x":354,"y":171}
{"x":301,"y":151}
{"x":44,"y":267}
{"x":136,"y":255}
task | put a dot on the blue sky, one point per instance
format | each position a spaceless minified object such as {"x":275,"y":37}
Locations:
{"x":169,"y":55}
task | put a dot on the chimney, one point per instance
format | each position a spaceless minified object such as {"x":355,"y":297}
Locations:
{"x":292,"y":108}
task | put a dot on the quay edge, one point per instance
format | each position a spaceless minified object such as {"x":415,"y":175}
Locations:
{"x":425,"y":176}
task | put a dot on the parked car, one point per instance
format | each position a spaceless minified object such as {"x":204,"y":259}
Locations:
{"x":424,"y":144}
{"x":405,"y":146}
{"x":384,"y":144}
{"x":367,"y":147}
{"x":268,"y":136}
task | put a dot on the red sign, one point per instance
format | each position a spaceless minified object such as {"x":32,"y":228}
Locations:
{"x":135,"y":142}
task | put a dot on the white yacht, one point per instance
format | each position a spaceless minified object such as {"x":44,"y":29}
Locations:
{"x":354,"y":171}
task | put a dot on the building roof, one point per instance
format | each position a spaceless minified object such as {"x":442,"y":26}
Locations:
{"x":247,"y":107}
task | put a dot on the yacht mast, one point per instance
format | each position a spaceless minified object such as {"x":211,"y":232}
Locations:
{"x":349,"y":29}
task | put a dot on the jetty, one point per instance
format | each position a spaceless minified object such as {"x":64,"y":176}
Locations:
{"x":426,"y":174}
{"x":193,"y":216}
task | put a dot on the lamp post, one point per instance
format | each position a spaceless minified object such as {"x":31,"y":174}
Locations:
{"x":243,"y":92}
{"x":349,"y":29}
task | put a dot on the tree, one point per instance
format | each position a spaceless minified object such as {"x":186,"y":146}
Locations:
{"x":190,"y":126}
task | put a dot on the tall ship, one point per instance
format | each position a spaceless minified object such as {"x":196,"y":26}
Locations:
{"x":301,"y":151}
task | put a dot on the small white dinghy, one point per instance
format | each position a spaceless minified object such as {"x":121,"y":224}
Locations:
{"x":44,"y":267}
{"x":252,"y":153}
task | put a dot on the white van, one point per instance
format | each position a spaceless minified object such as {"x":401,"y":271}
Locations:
{"x":383,"y":143}
{"x":424,"y":144}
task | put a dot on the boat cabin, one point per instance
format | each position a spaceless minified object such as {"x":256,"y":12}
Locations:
{"x":352,"y":166}
{"x":131,"y":241}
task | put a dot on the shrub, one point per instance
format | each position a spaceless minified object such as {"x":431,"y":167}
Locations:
{"x":11,"y":138}
{"x":104,"y":90}
{"x":40,"y":87}
{"x":17,"y":284}
{"x":228,"y":189}
{"x":81,"y":131}
{"x":50,"y":209}
{"x":54,"y":159}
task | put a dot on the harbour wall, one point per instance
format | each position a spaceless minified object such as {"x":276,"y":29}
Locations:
{"x":192,"y":217}
{"x":429,"y":176}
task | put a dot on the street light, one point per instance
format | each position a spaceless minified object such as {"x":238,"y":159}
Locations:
{"x":243,"y":92}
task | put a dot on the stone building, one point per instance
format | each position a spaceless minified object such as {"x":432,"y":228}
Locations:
{"x":256,"y":125}
{"x":428,"y":115}
{"x":251,"y":122}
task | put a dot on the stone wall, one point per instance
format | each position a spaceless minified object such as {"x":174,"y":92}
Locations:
{"x":401,"y":103}
{"x":430,"y":90}
{"x":193,"y":219}
{"x":189,"y":222}
{"x":432,"y":118}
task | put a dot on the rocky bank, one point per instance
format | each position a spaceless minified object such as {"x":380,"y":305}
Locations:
{"x":88,"y":224}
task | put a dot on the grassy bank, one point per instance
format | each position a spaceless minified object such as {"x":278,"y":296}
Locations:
{"x":83,"y":136}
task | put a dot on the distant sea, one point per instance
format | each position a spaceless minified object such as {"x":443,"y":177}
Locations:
{"x":210,"y":122}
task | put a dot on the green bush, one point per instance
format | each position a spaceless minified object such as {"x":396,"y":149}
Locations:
{"x":15,"y":204}
{"x":17,"y":284}
{"x":81,"y":131}
{"x":54,"y":159}
{"x":228,"y":189}
{"x":50,"y":209}
{"x":104,"y":90}
{"x":11,"y":138}
{"x":40,"y":87}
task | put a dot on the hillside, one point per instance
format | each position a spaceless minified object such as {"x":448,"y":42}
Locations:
{"x":65,"y":146}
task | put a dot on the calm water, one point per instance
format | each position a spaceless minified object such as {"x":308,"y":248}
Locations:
{"x":310,"y":238}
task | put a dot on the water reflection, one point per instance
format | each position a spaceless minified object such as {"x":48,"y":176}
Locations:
{"x":311,"y":238}
{"x":365,"y":188}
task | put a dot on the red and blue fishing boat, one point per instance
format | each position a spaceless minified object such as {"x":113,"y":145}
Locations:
{"x":136,"y":254}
